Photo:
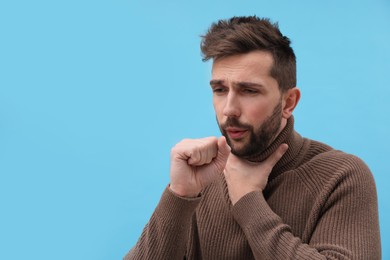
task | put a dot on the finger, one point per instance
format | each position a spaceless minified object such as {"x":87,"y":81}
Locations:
{"x":223,"y":147}
{"x":205,"y":150}
{"x":211,"y":150}
{"x":194,"y":157}
{"x":211,"y":154}
{"x":223,"y":154}
{"x":277,"y":155}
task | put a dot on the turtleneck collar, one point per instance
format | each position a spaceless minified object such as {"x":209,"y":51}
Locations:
{"x":294,"y":142}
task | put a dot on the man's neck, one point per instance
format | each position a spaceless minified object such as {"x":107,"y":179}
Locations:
{"x":285,"y":129}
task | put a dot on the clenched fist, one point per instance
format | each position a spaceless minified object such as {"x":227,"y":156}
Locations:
{"x":195,"y":163}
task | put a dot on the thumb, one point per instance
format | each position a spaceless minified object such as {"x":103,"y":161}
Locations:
{"x":277,"y":155}
{"x":223,"y":148}
{"x":223,"y":154}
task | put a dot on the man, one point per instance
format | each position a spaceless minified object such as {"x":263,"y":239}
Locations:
{"x":260,"y":191}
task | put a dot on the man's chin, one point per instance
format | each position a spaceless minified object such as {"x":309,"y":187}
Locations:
{"x":236,"y":144}
{"x":246,"y":151}
{"x":238,"y":149}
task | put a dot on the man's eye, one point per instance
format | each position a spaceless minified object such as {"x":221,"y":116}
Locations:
{"x":249,"y":91}
{"x":219,"y":90}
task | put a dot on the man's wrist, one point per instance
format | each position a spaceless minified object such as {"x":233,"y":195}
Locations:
{"x":182,"y":193}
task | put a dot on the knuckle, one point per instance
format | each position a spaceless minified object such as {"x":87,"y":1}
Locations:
{"x":195,"y":155}
{"x":213,"y":139}
{"x":174,"y":150}
{"x":209,"y":159}
{"x":210,"y":140}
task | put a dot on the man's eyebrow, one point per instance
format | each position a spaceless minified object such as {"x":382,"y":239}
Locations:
{"x":241,"y":84}
{"x":216,"y":82}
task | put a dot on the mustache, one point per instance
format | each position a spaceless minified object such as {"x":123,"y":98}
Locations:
{"x":234,"y":122}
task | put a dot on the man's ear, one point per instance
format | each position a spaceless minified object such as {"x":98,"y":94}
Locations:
{"x":290,"y":100}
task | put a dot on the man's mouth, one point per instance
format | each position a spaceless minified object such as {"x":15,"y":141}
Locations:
{"x":235,"y":133}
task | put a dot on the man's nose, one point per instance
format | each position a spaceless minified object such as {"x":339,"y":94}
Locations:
{"x":232,"y":106}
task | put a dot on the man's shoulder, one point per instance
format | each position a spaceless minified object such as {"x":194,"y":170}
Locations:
{"x":324,"y":164}
{"x":320,"y":154}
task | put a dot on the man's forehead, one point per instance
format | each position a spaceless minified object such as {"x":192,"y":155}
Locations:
{"x":248,"y":63}
{"x":251,"y":69}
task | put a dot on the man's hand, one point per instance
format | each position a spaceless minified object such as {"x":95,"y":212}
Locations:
{"x":196,"y":163}
{"x":243,"y":176}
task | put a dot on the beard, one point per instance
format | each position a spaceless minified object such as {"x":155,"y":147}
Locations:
{"x":259,"y":139}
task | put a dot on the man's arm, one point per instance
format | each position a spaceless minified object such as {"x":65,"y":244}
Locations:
{"x":194,"y":165}
{"x":165,"y":236}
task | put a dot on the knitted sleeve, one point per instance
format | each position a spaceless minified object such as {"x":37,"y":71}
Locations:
{"x":346,"y":228}
{"x":165,"y":235}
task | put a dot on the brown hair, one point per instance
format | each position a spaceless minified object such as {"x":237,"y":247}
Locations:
{"x":239,"y":35}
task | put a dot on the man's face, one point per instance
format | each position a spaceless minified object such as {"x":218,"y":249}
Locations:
{"x":247,"y":101}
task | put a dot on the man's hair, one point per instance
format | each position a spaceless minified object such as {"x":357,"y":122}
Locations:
{"x":240,"y":35}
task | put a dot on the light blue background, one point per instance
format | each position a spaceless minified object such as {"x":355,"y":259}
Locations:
{"x":93,"y":94}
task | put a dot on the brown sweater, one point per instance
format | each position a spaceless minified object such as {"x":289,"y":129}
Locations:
{"x":319,"y":203}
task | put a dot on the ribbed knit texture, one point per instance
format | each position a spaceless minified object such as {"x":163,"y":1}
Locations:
{"x":319,"y":204}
